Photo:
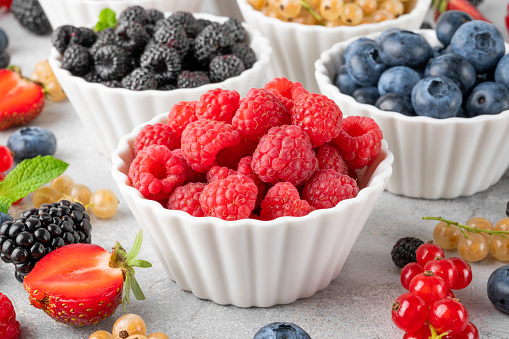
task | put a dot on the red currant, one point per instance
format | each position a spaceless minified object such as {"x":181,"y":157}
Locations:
{"x":445,"y":269}
{"x":6,"y":159}
{"x":470,"y":332}
{"x":423,"y":333}
{"x":427,"y":252}
{"x":450,"y":294}
{"x":409,"y":272}
{"x":409,"y":312}
{"x":429,"y":287}
{"x":464,"y":273}
{"x":448,"y":315}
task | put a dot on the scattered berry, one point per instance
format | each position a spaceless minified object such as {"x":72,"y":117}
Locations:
{"x":44,"y":75}
{"x":6,"y":159}
{"x":408,"y":273}
{"x":448,"y":315}
{"x":103,"y":203}
{"x":403,"y":251}
{"x":328,"y":187}
{"x":429,"y":287}
{"x":409,"y":312}
{"x":31,"y":16}
{"x":427,"y":252}
{"x":29,"y":142}
{"x":443,"y":268}
{"x":281,"y":330}
{"x":497,"y":288}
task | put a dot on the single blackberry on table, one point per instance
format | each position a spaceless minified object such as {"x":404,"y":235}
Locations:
{"x":403,"y":251}
{"x":223,"y":67}
{"x":30,"y":15}
{"x":189,"y":79}
{"x":186,"y":20}
{"x":133,"y":14}
{"x":153,"y":15}
{"x":163,"y":61}
{"x":112,"y":63}
{"x":4,"y":59}
{"x":77,"y":60}
{"x":237,"y":31}
{"x":245,"y":53}
{"x":210,"y":41}
{"x":84,"y":37}
{"x":27,"y":239}
{"x":132,"y":37}
{"x":140,"y":79}
{"x":61,"y":37}
{"x":174,"y":37}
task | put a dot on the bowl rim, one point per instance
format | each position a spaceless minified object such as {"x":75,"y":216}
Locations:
{"x":255,"y":38}
{"x":95,"y":2}
{"x":323,"y":77}
{"x":380,"y":176}
{"x":421,"y":6}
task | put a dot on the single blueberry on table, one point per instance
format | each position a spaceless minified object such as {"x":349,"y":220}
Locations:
{"x":481,"y":43}
{"x":366,"y":95}
{"x":344,"y":81}
{"x":4,"y":217}
{"x":395,"y":102}
{"x":364,"y":65}
{"x":405,"y":48}
{"x":448,"y":23}
{"x":281,"y":330}
{"x":436,"y":97}
{"x":455,"y":67}
{"x":502,"y":71}
{"x":29,"y":142}
{"x":398,"y":79}
{"x":498,"y":288}
{"x":488,"y":98}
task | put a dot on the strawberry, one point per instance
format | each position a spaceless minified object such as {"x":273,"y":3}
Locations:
{"x":81,"y":284}
{"x":441,"y":6}
{"x":22,"y":100}
{"x":507,"y":18}
{"x":5,"y":3}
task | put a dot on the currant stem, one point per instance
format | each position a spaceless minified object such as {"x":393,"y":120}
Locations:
{"x":313,"y":13}
{"x":434,"y":334}
{"x":465,"y":227}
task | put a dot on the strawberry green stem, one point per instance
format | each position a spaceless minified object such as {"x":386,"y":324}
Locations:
{"x":310,"y":10}
{"x":468,"y":228}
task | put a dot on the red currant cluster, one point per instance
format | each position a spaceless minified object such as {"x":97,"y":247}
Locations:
{"x":429,"y":309}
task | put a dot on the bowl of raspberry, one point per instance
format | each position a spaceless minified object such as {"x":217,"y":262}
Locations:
{"x":442,"y":101}
{"x":307,"y":28}
{"x":253,"y":201}
{"x":120,"y":77}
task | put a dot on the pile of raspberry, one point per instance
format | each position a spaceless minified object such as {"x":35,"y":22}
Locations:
{"x":280,"y":151}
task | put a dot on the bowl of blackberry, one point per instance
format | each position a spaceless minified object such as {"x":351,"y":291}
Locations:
{"x":142,"y":62}
{"x":441,"y":97}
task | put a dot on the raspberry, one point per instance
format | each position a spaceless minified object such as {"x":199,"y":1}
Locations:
{"x":359,"y":141}
{"x":191,"y":174}
{"x":181,"y":114}
{"x":218,"y":172}
{"x":232,"y":198}
{"x":230,"y":156}
{"x":187,"y":198}
{"x":329,"y":158}
{"x":258,"y":112}
{"x":288,"y":89}
{"x":9,"y":326}
{"x":328,"y":187}
{"x":156,"y":171}
{"x":244,"y":168}
{"x":218,"y":104}
{"x":284,"y":154}
{"x":203,"y":139}
{"x":319,"y":117}
{"x":283,"y":200}
{"x":157,"y":134}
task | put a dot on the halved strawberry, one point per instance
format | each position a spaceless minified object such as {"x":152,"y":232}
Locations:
{"x":6,"y":3}
{"x":81,"y":284}
{"x":22,"y":100}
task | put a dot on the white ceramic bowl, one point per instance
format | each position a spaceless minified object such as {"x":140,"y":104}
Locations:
{"x":434,"y":158}
{"x":251,"y":262}
{"x":297,"y":47}
{"x":83,"y":12}
{"x":110,"y":113}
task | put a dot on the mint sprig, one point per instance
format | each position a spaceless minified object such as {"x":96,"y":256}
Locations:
{"x":28,"y":176}
{"x":107,"y":19}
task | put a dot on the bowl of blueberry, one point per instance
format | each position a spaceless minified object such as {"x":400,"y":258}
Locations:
{"x":440,"y":96}
{"x":307,"y":28}
{"x":124,"y":75}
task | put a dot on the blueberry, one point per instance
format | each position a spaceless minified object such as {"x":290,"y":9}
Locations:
{"x":498,"y":288}
{"x":366,"y":95}
{"x":344,"y":81}
{"x":481,"y":43}
{"x":455,"y":67}
{"x":395,"y":102}
{"x":386,"y":32}
{"x":448,"y":23}
{"x":364,"y":65}
{"x":4,"y":40}
{"x":4,"y":217}
{"x":354,"y":44}
{"x":502,"y":71}
{"x":281,"y":330}
{"x":488,"y":98}
{"x":405,"y":48}
{"x":398,"y":79}
{"x":29,"y":142}
{"x":436,"y":97}
{"x":440,"y":50}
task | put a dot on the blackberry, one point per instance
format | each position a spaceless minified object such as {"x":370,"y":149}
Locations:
{"x":245,"y":53}
{"x":189,"y":79}
{"x":30,"y":15}
{"x":167,"y":87}
{"x":112,"y":83}
{"x":507,"y":210}
{"x":403,"y":252}
{"x":174,"y":37}
{"x":140,"y":79}
{"x":208,"y":43}
{"x":200,"y":24}
{"x":163,"y":61}
{"x":237,"y":31}
{"x":37,"y":232}
{"x":4,"y":59}
{"x":223,"y":67}
{"x":107,"y":36}
{"x":185,"y":20}
{"x":153,"y":15}
{"x":92,"y":77}
{"x":133,"y":14}
{"x":132,"y":37}
{"x":61,"y":37}
{"x":111,"y":63}
{"x":77,"y":60}
{"x":84,"y":37}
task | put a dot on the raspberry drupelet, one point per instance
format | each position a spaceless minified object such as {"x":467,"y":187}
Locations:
{"x":329,"y":158}
{"x":218,"y":104}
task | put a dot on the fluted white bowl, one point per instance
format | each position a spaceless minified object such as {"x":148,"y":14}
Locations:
{"x":252,"y":262}
{"x":434,"y":158}
{"x":83,"y":12}
{"x":110,"y":113}
{"x":297,"y":46}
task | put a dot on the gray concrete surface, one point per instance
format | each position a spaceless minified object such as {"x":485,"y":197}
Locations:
{"x":356,"y":305}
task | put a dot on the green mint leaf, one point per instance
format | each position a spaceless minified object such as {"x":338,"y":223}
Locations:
{"x":28,"y":176}
{"x":107,"y":19}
